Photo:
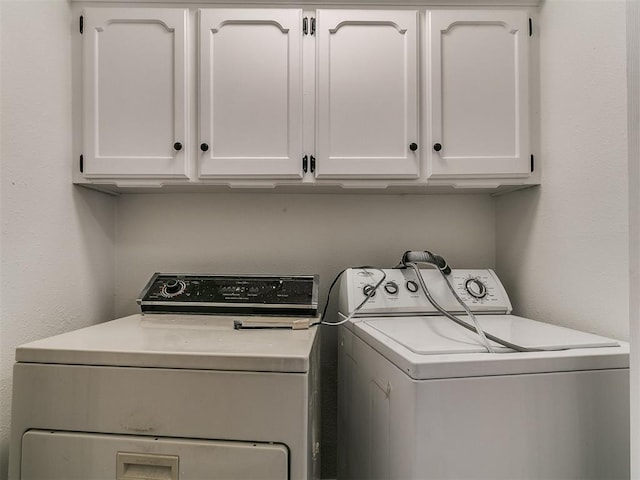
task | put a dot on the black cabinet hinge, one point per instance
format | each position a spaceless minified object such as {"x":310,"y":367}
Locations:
{"x":530,"y":27}
{"x":305,"y":163}
{"x":81,"y":24}
{"x":532,"y":163}
{"x":81,"y":163}
{"x":312,"y":164}
{"x":308,"y":26}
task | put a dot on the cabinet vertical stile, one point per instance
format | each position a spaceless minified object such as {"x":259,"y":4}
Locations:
{"x":135,"y":93}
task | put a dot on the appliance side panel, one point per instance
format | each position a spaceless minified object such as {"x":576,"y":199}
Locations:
{"x":314,"y":418}
{"x":377,"y":409}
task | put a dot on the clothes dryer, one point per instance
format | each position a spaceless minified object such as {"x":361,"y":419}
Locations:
{"x":419,"y":397}
{"x":179,"y":391}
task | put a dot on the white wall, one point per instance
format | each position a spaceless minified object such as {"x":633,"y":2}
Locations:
{"x":633,"y":89}
{"x":262,"y":233}
{"x":562,"y":248}
{"x":57,"y":240}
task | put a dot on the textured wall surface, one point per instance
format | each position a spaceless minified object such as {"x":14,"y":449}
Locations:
{"x":57,"y":240}
{"x":633,"y":114}
{"x":254,"y":233}
{"x":562,"y":248}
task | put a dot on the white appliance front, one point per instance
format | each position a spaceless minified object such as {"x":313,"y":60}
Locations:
{"x":174,"y":396}
{"x":86,"y":456}
{"x":420,"y":398}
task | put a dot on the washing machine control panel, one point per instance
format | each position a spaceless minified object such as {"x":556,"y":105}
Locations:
{"x":231,"y":294}
{"x":401,"y":292}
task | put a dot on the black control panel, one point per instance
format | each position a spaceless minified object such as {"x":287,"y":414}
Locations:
{"x":295,"y":295}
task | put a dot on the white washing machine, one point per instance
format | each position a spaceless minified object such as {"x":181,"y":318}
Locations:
{"x":177,"y":392}
{"x":419,"y":397}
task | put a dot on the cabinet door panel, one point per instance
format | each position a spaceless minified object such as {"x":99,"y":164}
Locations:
{"x":367,"y":98}
{"x":480,"y":93}
{"x":250,"y":93}
{"x":135,"y":92}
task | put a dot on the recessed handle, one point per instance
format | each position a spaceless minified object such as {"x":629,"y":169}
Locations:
{"x":437,"y":147}
{"x":413,"y":147}
{"x":135,"y":466}
{"x":204,"y":147}
{"x":177,"y":146}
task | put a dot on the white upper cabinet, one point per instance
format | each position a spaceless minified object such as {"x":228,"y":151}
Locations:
{"x":479,"y":99}
{"x":250,"y":102}
{"x":260,"y":97}
{"x":367,"y":94}
{"x":135,"y":92}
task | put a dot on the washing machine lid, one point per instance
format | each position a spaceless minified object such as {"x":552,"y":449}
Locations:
{"x":435,"y":347}
{"x":201,"y":342}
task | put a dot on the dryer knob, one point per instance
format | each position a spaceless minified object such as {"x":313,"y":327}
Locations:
{"x":173,"y":287}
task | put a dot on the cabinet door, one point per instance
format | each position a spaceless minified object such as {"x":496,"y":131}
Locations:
{"x":135,"y":92}
{"x":479,"y":94}
{"x":250,"y":104}
{"x":367,"y":94}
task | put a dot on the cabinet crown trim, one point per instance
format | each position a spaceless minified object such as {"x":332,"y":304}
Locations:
{"x":332,"y":3}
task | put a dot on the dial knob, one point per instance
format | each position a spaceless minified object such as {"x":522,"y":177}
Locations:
{"x":475,"y":288}
{"x":173,"y":287}
{"x":369,"y":290}
{"x":412,"y":286}
{"x":391,"y":288}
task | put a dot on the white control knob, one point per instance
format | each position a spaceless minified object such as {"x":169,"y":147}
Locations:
{"x":391,"y":288}
{"x":476,"y":288}
{"x":412,"y":286}
{"x":369,"y":290}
